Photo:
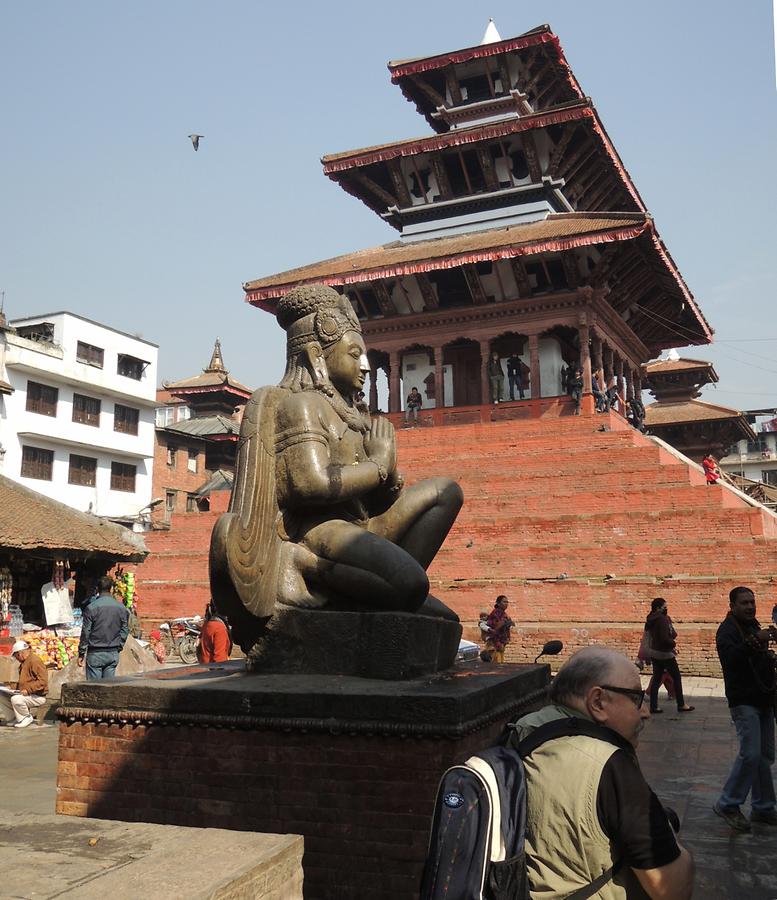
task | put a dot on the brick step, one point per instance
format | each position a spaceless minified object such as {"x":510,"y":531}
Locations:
{"x":525,"y":427}
{"x":572,"y":443}
{"x":662,"y":497}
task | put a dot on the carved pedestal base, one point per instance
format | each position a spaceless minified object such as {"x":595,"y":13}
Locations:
{"x":367,"y":645}
{"x":351,"y":764}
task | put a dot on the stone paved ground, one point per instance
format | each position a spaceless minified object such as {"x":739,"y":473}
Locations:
{"x":685,"y":758}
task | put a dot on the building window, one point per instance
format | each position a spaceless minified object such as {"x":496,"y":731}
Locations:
{"x":130,"y":366}
{"x":83,"y":470}
{"x":170,"y":501}
{"x":37,"y":463}
{"x":125,"y":419}
{"x":86,"y":410}
{"x":191,"y":503}
{"x":41,"y":399}
{"x":769,"y":476}
{"x":123,"y":477}
{"x":90,"y":355}
{"x":171,"y":457}
{"x":168,"y":415}
{"x":191,"y":463}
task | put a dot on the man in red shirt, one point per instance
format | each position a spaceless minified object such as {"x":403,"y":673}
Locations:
{"x":215,"y":641}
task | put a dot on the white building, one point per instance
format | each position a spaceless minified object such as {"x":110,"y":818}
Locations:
{"x":77,"y":402}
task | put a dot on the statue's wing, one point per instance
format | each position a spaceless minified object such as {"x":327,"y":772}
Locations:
{"x":246,"y":549}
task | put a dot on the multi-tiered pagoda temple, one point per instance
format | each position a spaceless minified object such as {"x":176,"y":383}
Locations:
{"x":520,"y":231}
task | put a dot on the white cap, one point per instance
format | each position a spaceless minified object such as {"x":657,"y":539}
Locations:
{"x":19,"y":645}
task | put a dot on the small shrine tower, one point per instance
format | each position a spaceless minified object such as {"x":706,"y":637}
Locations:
{"x":519,"y":231}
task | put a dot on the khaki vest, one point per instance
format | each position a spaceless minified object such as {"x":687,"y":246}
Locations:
{"x":566,"y":847}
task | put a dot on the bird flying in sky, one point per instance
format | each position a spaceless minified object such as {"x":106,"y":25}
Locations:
{"x":195,"y":139}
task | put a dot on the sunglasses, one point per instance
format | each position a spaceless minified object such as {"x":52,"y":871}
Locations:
{"x":637,"y":697}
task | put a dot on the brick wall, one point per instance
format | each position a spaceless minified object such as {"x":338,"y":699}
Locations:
{"x":176,"y":478}
{"x":362,"y":803}
{"x":624,"y":520}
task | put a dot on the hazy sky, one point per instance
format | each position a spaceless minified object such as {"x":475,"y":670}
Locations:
{"x":106,"y":210}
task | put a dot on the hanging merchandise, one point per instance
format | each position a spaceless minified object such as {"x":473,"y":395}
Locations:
{"x":124,"y":587}
{"x":6,"y":592}
{"x":58,"y":574}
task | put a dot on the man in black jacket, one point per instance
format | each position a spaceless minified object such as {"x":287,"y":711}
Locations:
{"x":104,"y":630}
{"x":749,"y":675}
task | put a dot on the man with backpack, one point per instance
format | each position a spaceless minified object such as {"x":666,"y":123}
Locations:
{"x":570,"y":842}
{"x":561,"y":808}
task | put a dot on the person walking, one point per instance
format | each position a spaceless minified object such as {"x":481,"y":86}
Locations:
{"x":215,"y":644}
{"x":663,"y":640}
{"x":31,"y":687}
{"x":104,"y":631}
{"x":749,"y":678}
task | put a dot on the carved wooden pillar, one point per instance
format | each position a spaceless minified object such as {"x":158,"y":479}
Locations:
{"x":485,"y":384}
{"x":608,"y":359}
{"x":395,"y":389}
{"x":373,"y":400}
{"x":629,"y":379}
{"x":585,"y":356}
{"x":534,"y":365}
{"x":439,"y":382}
{"x":596,"y":357}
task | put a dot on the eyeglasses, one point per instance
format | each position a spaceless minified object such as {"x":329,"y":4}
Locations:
{"x":636,"y":697}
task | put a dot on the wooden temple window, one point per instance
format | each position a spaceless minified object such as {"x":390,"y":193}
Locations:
{"x":476,"y":87}
{"x":82,"y":470}
{"x":41,"y":399}
{"x":419,"y":182}
{"x":123,"y":477}
{"x":37,"y":463}
{"x":452,"y":288}
{"x":370,"y":302}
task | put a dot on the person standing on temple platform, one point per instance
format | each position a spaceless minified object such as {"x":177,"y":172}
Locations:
{"x":514,"y":375}
{"x":499,"y":625}
{"x":575,"y":387}
{"x":31,"y":687}
{"x":599,"y":396}
{"x":496,"y":377}
{"x":711,"y":469}
{"x":413,"y":403}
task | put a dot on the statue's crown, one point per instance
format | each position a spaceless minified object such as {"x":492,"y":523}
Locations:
{"x":315,"y":312}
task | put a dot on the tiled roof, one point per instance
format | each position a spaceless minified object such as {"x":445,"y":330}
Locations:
{"x":444,"y":252}
{"x":675,"y":365}
{"x":687,"y":411}
{"x":204,"y":426}
{"x":208,"y":380}
{"x":31,"y":521}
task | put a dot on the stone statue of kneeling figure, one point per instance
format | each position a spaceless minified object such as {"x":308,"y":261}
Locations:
{"x":319,"y":516}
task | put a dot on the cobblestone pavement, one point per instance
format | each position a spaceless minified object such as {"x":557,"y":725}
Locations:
{"x":685,"y":757}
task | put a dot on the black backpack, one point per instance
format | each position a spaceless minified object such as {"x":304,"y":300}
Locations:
{"x":476,"y":846}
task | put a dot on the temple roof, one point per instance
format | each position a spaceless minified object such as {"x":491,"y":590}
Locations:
{"x":552,"y":79}
{"x":556,"y":233}
{"x":214,"y":377}
{"x":676,"y":365}
{"x":690,"y":411}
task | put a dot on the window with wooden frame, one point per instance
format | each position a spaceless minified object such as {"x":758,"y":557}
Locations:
{"x":123,"y":477}
{"x":41,"y":399}
{"x":171,"y":457}
{"x":130,"y":366}
{"x":191,"y":503}
{"x":86,"y":410}
{"x":90,"y":355}
{"x":191,"y":463}
{"x":37,"y":463}
{"x":170,"y":501}
{"x":125,"y":419}
{"x":83,"y":470}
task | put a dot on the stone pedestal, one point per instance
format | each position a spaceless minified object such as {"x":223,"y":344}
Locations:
{"x":351,"y":764}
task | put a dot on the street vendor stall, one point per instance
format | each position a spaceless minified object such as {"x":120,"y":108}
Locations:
{"x":50,"y":559}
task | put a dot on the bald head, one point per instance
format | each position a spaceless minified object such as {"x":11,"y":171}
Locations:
{"x":586,"y":668}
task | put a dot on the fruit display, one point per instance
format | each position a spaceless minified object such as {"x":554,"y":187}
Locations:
{"x":124,"y":587}
{"x":54,"y":652}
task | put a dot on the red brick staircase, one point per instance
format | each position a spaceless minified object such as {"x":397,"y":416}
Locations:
{"x":619,"y":516}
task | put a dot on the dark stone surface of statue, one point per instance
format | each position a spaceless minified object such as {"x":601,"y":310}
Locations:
{"x":319,"y":516}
